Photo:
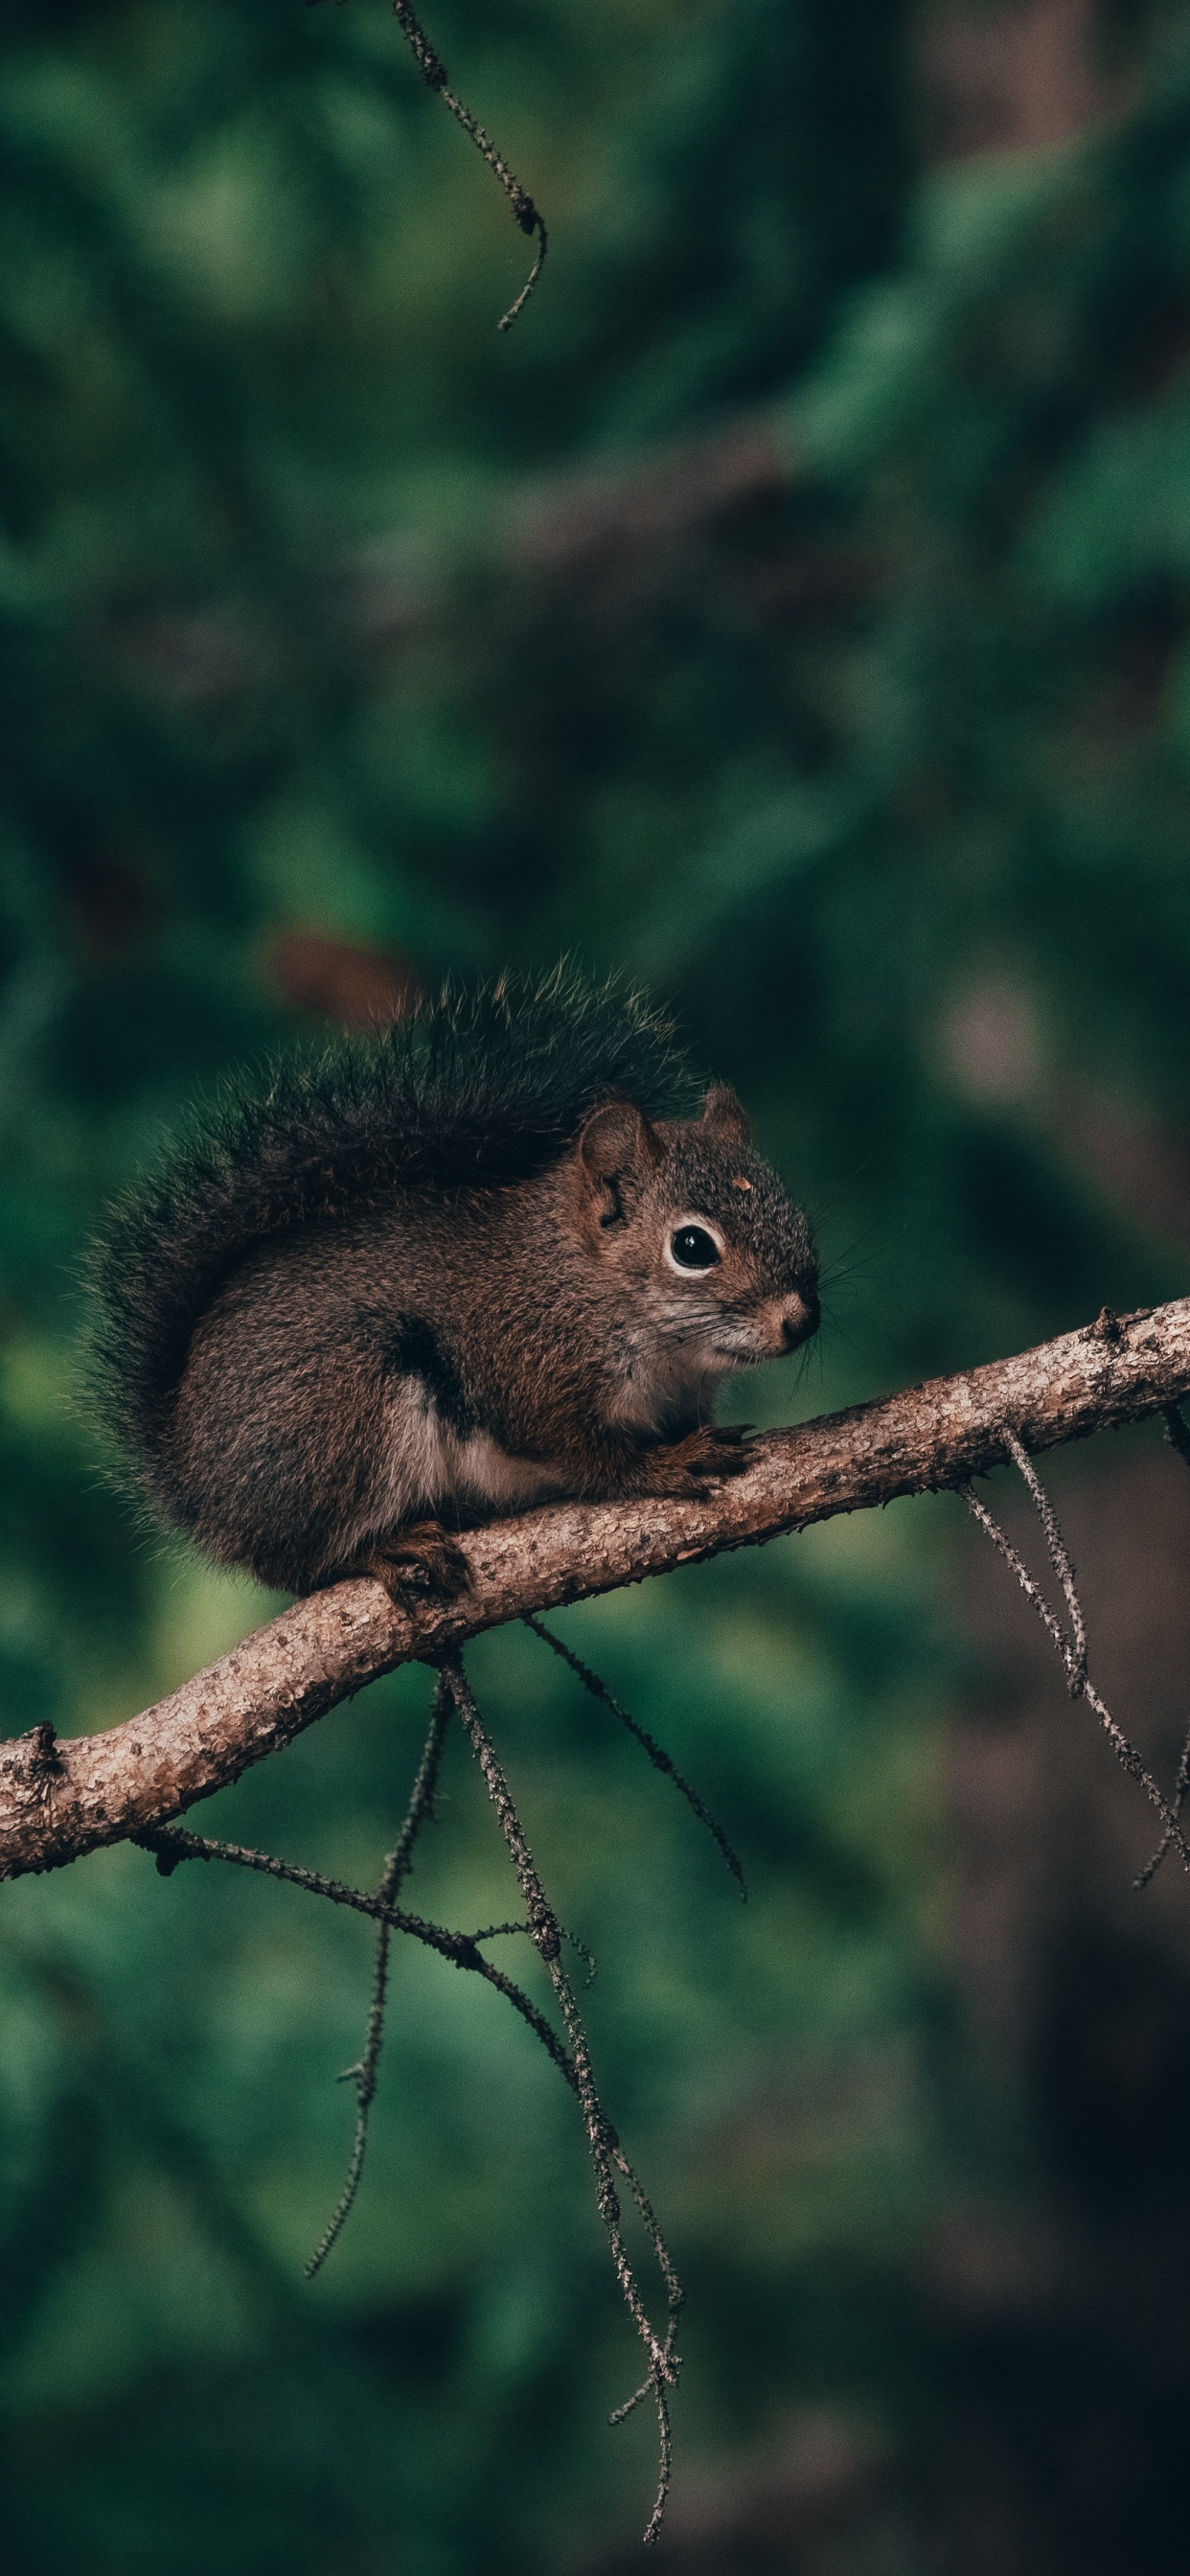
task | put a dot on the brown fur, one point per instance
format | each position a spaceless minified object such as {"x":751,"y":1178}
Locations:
{"x":449,"y":1355}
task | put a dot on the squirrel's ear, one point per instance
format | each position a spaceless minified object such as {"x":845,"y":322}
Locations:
{"x":727,"y":1115}
{"x":616,"y":1145}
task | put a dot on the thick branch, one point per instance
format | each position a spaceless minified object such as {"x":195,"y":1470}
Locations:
{"x":59,"y":1800}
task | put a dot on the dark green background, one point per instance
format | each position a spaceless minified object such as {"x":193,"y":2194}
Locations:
{"x":792,"y":612}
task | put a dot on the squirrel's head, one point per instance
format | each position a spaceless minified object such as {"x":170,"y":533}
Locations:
{"x":698,"y":1231}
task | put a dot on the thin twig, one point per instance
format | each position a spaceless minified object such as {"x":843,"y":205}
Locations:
{"x":1180,"y":1793}
{"x":396,"y":1868}
{"x":172,"y":1844}
{"x":1071,"y":1651}
{"x":433,"y":72}
{"x":663,"y":2363}
{"x":1031,"y":1590}
{"x":660,"y":1759}
{"x":1178,"y":1436}
{"x":1059,"y":1558}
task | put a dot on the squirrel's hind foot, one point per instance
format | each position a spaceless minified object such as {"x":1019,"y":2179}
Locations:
{"x":418,"y":1564}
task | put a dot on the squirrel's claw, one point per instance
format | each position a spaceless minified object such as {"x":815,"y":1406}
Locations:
{"x":421,"y":1563}
{"x":689,"y":1470}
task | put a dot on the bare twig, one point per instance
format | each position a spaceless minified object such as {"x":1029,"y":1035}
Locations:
{"x":1074,"y":1656}
{"x":1178,"y":1437}
{"x":106,"y":1788}
{"x":433,"y":72}
{"x":660,"y":1759}
{"x":1180,"y":1791}
{"x":172,"y":1845}
{"x":1072,"y":1650}
{"x":605,"y":2146}
{"x":396,"y":1868}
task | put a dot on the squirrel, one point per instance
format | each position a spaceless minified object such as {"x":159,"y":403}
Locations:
{"x":474,"y":1262}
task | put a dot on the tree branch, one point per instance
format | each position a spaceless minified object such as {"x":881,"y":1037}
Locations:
{"x":58,"y":1800}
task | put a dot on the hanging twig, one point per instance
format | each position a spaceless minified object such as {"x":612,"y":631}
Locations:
{"x":171,"y":1844}
{"x":433,"y":72}
{"x":660,"y":1759}
{"x":605,"y":2147}
{"x":1178,"y":1437}
{"x":1181,"y":1790}
{"x":1074,"y":1654}
{"x":1072,"y":1650}
{"x":396,"y":1868}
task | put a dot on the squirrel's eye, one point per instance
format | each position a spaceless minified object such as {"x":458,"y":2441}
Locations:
{"x":692,"y":1248}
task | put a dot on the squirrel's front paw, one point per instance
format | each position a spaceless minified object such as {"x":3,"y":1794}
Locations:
{"x":689,"y":1469}
{"x":419,"y":1564}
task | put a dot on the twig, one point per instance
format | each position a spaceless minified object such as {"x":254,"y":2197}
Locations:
{"x":1071,"y":1651}
{"x":1178,"y":1436}
{"x":604,"y":2144}
{"x":396,"y":1868}
{"x":660,"y":1759}
{"x":433,"y":72}
{"x":1180,"y":1792}
{"x":172,"y":1845}
{"x":1075,"y":1655}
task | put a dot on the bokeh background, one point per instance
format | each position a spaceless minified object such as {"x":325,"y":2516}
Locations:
{"x":794,"y":612}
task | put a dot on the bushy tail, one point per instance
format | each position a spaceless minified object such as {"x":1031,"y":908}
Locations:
{"x":476,"y":1089}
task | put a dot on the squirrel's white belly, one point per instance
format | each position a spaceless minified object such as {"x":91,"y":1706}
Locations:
{"x":429,"y":1464}
{"x":485,"y":1473}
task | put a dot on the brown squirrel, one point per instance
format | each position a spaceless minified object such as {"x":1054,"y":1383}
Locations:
{"x":472,"y":1263}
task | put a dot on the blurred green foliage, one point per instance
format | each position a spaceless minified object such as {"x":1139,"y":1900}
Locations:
{"x":327,"y":616}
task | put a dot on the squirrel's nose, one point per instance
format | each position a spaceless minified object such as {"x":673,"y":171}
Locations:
{"x":800,"y":1316}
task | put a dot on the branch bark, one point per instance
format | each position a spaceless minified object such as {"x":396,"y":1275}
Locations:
{"x":60,"y":1799}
